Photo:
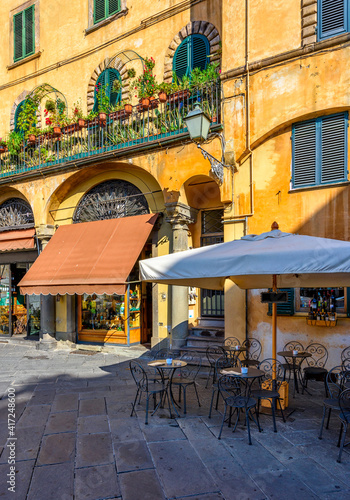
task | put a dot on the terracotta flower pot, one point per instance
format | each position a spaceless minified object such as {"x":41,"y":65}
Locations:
{"x":180,"y":95}
{"x":153,"y":103}
{"x":69,"y":129}
{"x":145,"y":102}
{"x":162,"y":97}
{"x":102,"y":118}
{"x":128,"y":109}
{"x":31,"y":139}
{"x":3,"y":149}
{"x":82,"y":123}
{"x":57,"y":131}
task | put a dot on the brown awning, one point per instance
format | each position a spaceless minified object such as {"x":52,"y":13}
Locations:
{"x":18,"y":239}
{"x":91,"y":257}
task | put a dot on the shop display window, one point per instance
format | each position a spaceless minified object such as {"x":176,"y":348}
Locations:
{"x":5,"y":299}
{"x":323,"y":299}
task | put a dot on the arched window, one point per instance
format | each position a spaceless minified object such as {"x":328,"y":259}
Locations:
{"x":106,"y":79}
{"x":192,"y":53}
{"x":15,"y":213}
{"x":18,"y":110}
{"x":111,"y":200}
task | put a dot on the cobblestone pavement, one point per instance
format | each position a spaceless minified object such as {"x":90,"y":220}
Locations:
{"x":76,"y":439}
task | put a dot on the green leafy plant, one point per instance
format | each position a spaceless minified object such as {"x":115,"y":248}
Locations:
{"x":131,"y":73}
{"x":27,"y":117}
{"x":50,"y":106}
{"x":14,"y":143}
{"x":164,"y":87}
{"x":117,"y":85}
{"x":77,"y":110}
{"x":3,"y":143}
{"x":146,"y":85}
{"x":103,"y":104}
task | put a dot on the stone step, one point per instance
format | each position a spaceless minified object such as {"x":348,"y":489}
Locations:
{"x":204,"y":342}
{"x":197,"y":331}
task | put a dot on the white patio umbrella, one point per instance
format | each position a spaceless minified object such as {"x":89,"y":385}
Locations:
{"x":269,"y":260}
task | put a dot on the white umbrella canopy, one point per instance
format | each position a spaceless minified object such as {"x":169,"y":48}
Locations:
{"x":297,"y":260}
{"x":269,"y":260}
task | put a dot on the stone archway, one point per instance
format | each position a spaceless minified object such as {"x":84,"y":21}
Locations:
{"x":195,"y":27}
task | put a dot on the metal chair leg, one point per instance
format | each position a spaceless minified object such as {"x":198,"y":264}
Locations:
{"x":322,"y":423}
{"x":195,"y":388}
{"x":248,"y":426}
{"x":211,"y":403}
{"x":344,"y":427}
{"x":222,"y":423}
{"x":329,"y":416}
{"x":134,"y":403}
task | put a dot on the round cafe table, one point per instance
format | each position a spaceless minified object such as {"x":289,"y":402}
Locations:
{"x":295,"y":367}
{"x":161,"y":365}
{"x":250,"y":376}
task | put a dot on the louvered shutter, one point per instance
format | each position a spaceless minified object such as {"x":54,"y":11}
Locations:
{"x":113,"y":6}
{"x":199,"y":51}
{"x":333,"y":163}
{"x":114,"y":97}
{"x":99,"y":10}
{"x":18,"y":110}
{"x":287,"y":308}
{"x":304,"y":154}
{"x":29,"y":31}
{"x":18,"y":36}
{"x":181,"y":64}
{"x":101,"y":81}
{"x":332,"y":17}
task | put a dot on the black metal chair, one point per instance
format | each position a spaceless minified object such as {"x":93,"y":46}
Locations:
{"x":231,"y":342}
{"x":236,"y":396}
{"x":212,"y":355}
{"x":345,"y":358}
{"x":335,"y":385}
{"x":144,"y":386}
{"x":186,"y":376}
{"x":221,"y":363}
{"x":344,"y":415}
{"x":253,"y":352}
{"x":288,"y":365}
{"x":269,"y":387}
{"x":315,"y":369}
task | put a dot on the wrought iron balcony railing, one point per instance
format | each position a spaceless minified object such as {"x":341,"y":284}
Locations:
{"x":142,"y":128}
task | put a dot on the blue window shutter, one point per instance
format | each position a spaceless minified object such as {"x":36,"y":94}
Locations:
{"x":113,"y":6}
{"x":29,"y":31}
{"x":181,"y":64}
{"x":333,"y":158}
{"x":286,"y":309}
{"x":101,"y":81}
{"x":200,"y":52}
{"x":332,"y":17}
{"x":113,"y":75}
{"x":99,"y":10}
{"x":304,"y":154}
{"x":18,"y":36}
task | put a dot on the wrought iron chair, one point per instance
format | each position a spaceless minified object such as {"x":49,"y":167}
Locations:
{"x":221,"y":363}
{"x":344,"y":415}
{"x":212,"y":355}
{"x":253,"y":352}
{"x":335,"y":385}
{"x":231,"y":342}
{"x":288,"y":365}
{"x":236,"y":396}
{"x":345,"y":358}
{"x":186,"y":376}
{"x":144,"y":386}
{"x":315,"y":369}
{"x":269,"y":387}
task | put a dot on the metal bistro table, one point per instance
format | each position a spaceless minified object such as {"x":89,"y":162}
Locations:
{"x":253,"y":373}
{"x":296,"y":368}
{"x":233,"y":350}
{"x":160,"y":365}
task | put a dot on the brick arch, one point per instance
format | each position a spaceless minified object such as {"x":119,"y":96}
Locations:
{"x":119,"y":66}
{"x":202,"y":28}
{"x":17,"y":101}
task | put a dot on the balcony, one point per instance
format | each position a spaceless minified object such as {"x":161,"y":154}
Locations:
{"x":119,"y":135}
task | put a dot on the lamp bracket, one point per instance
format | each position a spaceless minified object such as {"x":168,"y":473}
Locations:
{"x":217,"y":167}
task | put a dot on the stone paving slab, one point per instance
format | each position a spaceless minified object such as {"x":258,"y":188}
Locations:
{"x":132,"y":455}
{"x":141,"y":485}
{"x":57,"y":448}
{"x":92,"y":483}
{"x":52,"y":482}
{"x":94,"y":449}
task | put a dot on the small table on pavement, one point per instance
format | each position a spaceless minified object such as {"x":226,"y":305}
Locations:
{"x":252,"y":374}
{"x":161,"y":364}
{"x":301,"y":356}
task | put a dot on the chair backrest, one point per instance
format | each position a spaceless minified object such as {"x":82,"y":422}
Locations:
{"x":167,"y":353}
{"x":234,"y":389}
{"x":345,"y":357}
{"x":231,"y":342}
{"x":334,"y":381}
{"x":254,"y":348}
{"x":319,"y":355}
{"x":344,"y":404}
{"x":267,"y":366}
{"x":224,"y":362}
{"x":293,"y":346}
{"x":139,"y":375}
{"x":191,"y":370}
{"x":213,"y":353}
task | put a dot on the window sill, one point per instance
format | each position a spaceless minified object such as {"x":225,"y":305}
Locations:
{"x":109,"y":20}
{"x":320,"y":186}
{"x":24,"y":60}
{"x":300,"y":314}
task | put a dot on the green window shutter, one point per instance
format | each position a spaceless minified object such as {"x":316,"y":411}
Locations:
{"x":113,"y":75}
{"x":332,"y":17}
{"x":286,"y":309}
{"x":29,"y":28}
{"x":113,"y":6}
{"x":18,"y":110}
{"x":333,"y":157}
{"x":181,"y":64}
{"x":101,"y":81}
{"x":99,"y":10}
{"x":304,"y":154}
{"x":200,"y":51}
{"x":18,"y":36}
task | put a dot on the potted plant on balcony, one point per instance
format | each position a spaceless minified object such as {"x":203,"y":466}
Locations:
{"x":78,"y":115}
{"x":32,"y":136}
{"x":27,"y":116}
{"x":103,"y":104}
{"x":164,"y":90}
{"x":15,"y":143}
{"x":3,"y":146}
{"x":146,"y":85}
{"x":117,"y":111}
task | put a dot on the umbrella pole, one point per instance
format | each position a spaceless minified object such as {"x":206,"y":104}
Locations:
{"x":274,"y":327}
